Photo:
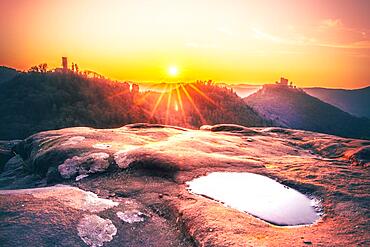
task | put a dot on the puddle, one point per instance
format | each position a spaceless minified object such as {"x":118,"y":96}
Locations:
{"x":259,"y":196}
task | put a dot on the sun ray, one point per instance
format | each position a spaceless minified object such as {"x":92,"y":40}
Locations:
{"x":168,"y":103}
{"x":179,"y":99}
{"x":203,"y":94}
{"x":158,"y":101}
{"x":194,"y":105}
{"x":143,"y":97}
{"x":220,"y":107}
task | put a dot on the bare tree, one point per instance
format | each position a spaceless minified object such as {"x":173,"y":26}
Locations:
{"x":33,"y":69}
{"x":43,"y":67}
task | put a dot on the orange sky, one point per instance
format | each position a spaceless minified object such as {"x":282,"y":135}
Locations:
{"x":312,"y":42}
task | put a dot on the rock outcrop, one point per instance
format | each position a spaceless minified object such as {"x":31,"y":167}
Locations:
{"x":127,"y":187}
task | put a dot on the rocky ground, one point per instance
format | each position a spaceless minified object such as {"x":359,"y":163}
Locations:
{"x":127,"y":186}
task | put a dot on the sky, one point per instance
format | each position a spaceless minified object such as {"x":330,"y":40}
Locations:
{"x":311,"y":42}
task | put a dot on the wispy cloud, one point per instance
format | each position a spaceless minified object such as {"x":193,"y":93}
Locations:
{"x":295,"y":38}
{"x":355,"y":45}
{"x":259,"y":34}
{"x":330,"y":23}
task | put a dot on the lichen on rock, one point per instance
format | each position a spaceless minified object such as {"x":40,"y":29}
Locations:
{"x":131,"y":216}
{"x":69,"y":196}
{"x":89,"y":163}
{"x":94,"y":230}
{"x":124,"y":157}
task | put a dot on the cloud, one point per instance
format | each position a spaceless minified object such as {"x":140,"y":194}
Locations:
{"x":333,"y":25}
{"x":297,"y":39}
{"x":259,"y":34}
{"x":355,"y":45}
{"x":330,"y":23}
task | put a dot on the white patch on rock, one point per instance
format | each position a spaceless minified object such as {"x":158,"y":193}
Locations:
{"x":131,"y":216}
{"x":206,"y":127}
{"x":78,"y":165}
{"x":123,"y":159}
{"x":69,"y":196}
{"x":94,"y":230}
{"x":101,"y":146}
{"x":79,"y":177}
{"x":73,"y":140}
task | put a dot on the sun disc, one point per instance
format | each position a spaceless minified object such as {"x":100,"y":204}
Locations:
{"x":173,"y":71}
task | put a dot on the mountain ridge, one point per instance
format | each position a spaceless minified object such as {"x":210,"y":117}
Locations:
{"x":294,"y":108}
{"x":353,"y":101}
{"x":7,"y":73}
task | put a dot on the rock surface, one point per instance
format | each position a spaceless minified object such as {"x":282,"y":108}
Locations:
{"x":6,"y":152}
{"x":135,"y":193}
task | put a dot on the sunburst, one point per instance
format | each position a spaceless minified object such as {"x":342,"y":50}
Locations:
{"x":203,"y":94}
{"x":202,"y":120}
{"x":179,"y":99}
{"x":173,"y":97}
{"x":158,"y":101}
{"x":168,"y":103}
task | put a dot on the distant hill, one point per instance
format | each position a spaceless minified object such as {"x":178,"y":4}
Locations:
{"x":293,"y":108}
{"x":244,"y":90}
{"x":7,"y":73}
{"x":33,"y":102}
{"x":355,"y":102}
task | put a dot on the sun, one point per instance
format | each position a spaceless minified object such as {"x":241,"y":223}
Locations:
{"x":173,"y":71}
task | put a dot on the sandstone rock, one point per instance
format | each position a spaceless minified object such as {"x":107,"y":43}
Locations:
{"x":6,"y":151}
{"x":360,"y":156}
{"x":142,"y":162}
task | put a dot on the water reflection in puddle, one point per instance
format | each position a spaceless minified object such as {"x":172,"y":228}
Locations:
{"x":259,"y":196}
